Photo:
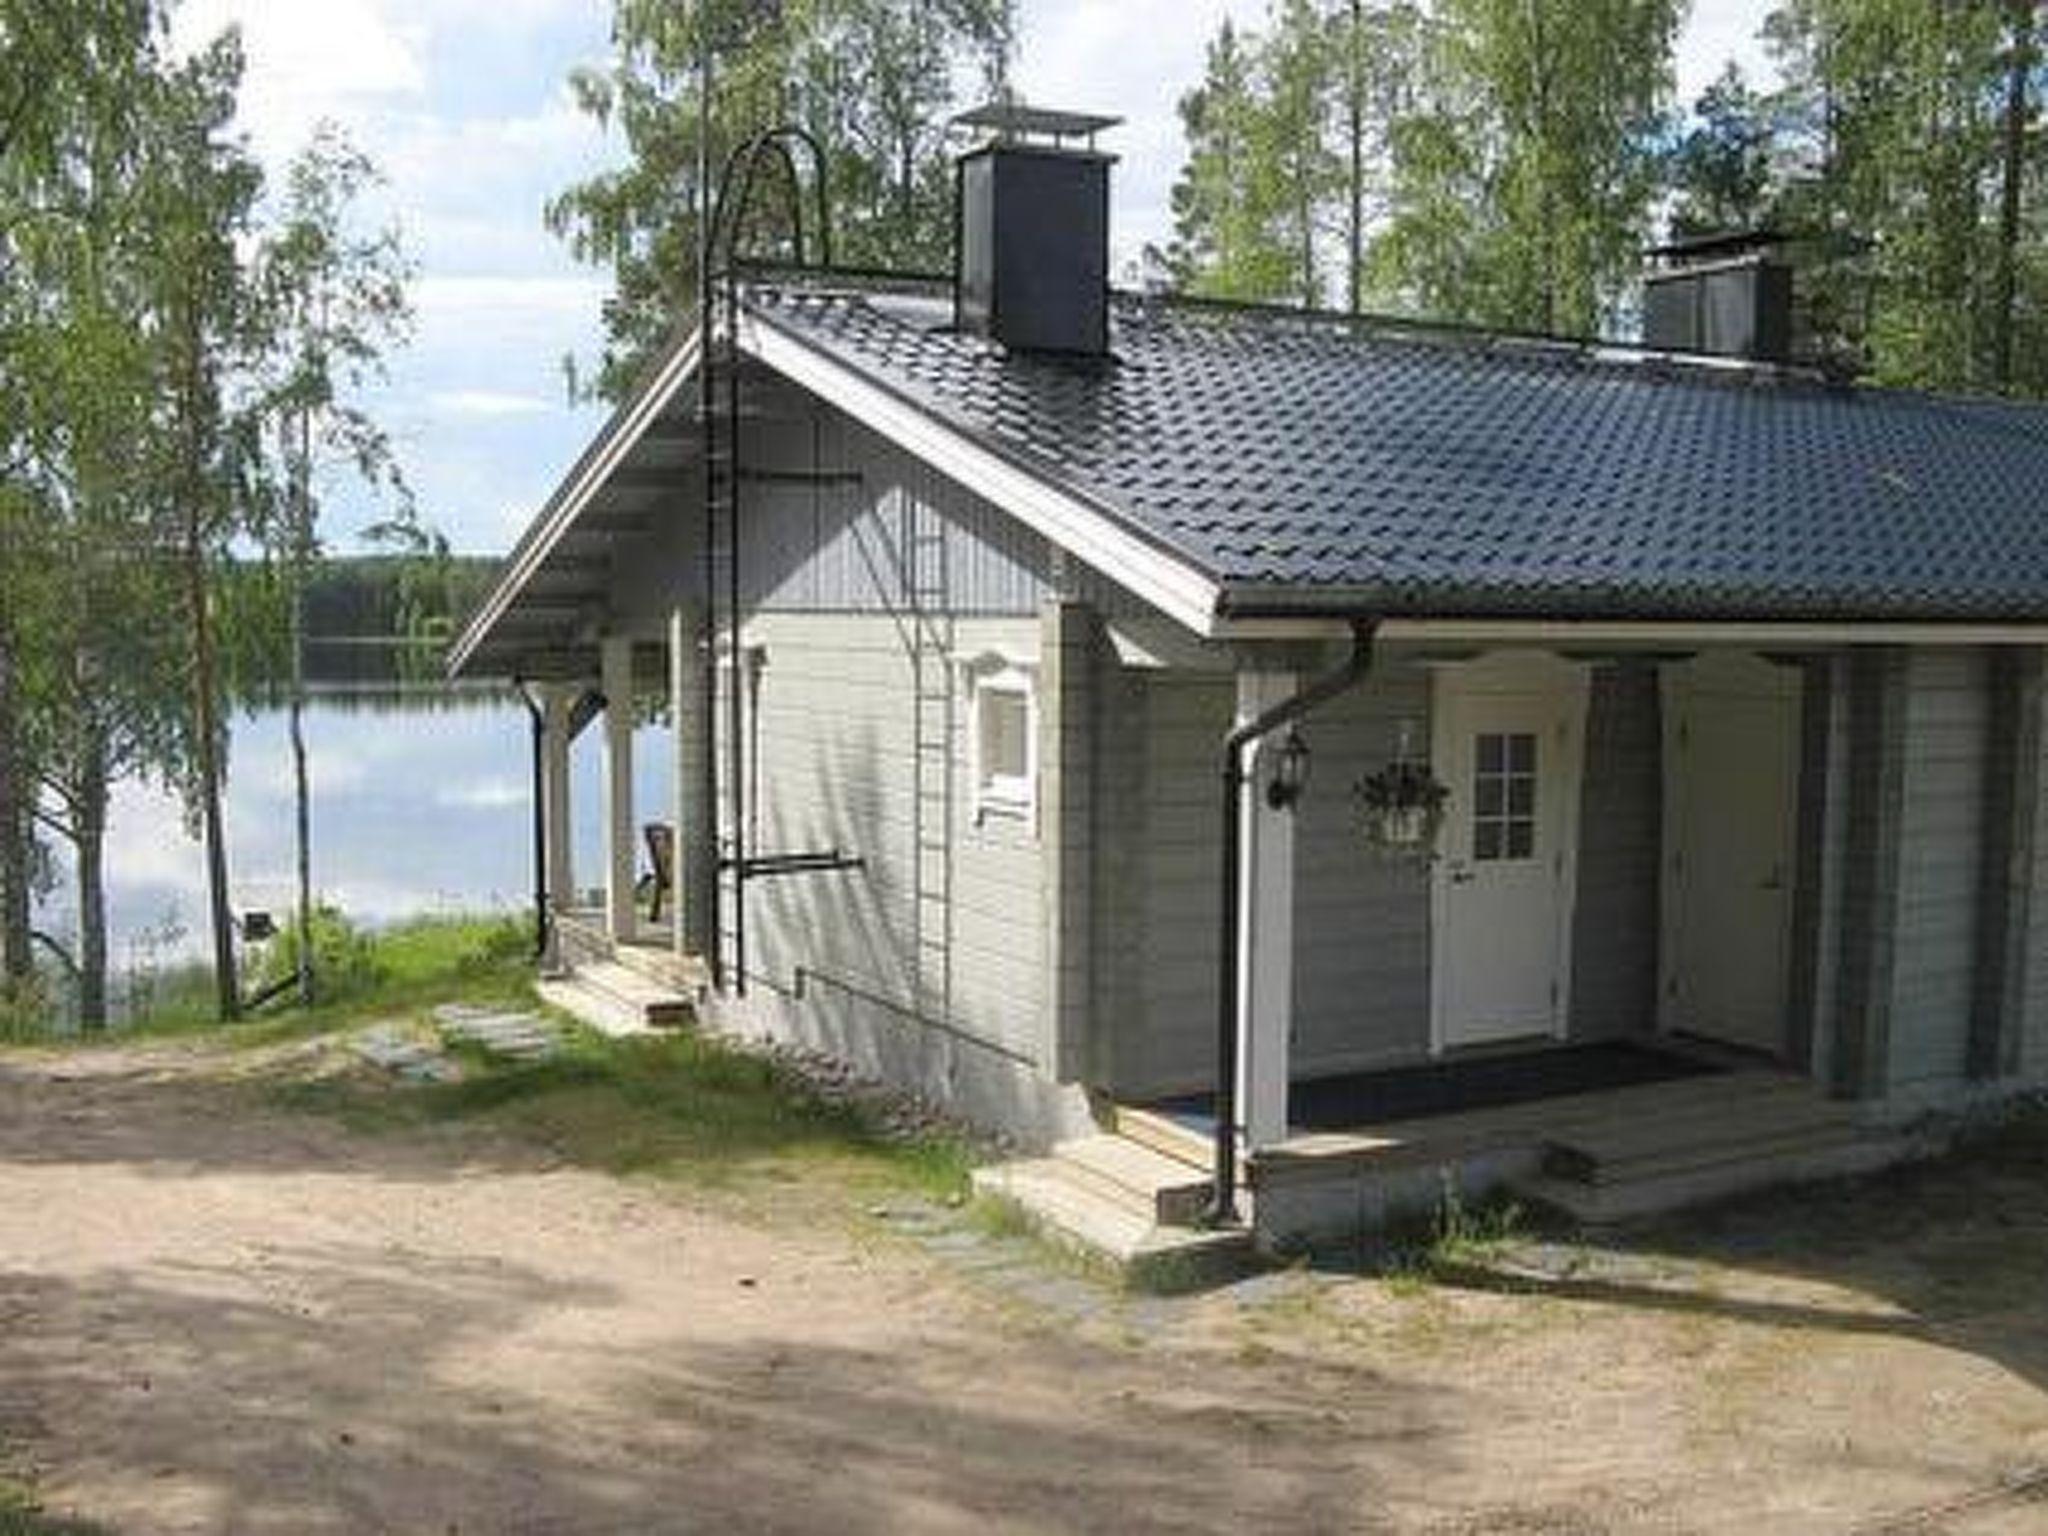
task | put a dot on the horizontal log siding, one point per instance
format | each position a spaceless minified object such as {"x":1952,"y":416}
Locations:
{"x":1362,"y":931}
{"x":1615,"y":929}
{"x":837,"y":769}
{"x":1361,"y":924}
{"x":1169,"y":1042}
{"x":1940,"y":838}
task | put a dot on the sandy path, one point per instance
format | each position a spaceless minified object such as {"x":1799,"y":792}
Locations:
{"x":220,"y":1319}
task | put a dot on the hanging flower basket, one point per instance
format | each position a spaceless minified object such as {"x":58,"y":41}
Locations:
{"x":1401,"y":809}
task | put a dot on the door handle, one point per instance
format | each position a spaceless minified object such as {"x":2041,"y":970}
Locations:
{"x":1461,"y":876}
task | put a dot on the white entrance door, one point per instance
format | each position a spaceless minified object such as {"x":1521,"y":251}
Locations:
{"x":1731,"y":750}
{"x":1507,"y":743}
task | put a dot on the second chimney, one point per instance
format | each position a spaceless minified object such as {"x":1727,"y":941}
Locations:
{"x":1722,"y":294}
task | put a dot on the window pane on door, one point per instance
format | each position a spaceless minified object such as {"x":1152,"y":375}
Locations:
{"x":1504,"y":795}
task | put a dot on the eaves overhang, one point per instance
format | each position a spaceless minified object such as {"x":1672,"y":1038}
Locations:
{"x":540,"y":615}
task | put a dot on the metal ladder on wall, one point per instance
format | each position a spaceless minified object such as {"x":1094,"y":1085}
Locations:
{"x":719,"y":403}
{"x":729,"y":708}
{"x":929,"y":591}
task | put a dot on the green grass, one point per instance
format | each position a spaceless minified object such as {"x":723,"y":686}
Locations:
{"x":679,"y":1107}
{"x":408,"y":966}
{"x":1457,"y":1235}
{"x":22,"y":1515}
{"x":675,"y":1106}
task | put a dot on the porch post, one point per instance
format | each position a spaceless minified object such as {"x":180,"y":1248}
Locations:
{"x":1878,"y":679}
{"x":696,"y":842}
{"x":558,"y":704}
{"x":616,"y":661}
{"x":2010,"y":839}
{"x":1265,"y":967}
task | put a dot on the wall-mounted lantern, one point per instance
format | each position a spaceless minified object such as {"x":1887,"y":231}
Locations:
{"x":1290,"y":773}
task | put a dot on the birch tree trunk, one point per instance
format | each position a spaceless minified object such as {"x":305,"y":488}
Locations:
{"x":16,"y":961}
{"x":91,"y":847}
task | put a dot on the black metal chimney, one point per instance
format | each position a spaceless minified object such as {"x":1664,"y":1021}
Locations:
{"x":1727,"y":295}
{"x":1031,"y":251}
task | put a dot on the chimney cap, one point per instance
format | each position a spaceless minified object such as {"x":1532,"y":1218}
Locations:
{"x":1012,"y":120}
{"x":1734,"y":242}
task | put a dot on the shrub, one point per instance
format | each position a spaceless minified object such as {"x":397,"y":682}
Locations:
{"x":345,"y":959}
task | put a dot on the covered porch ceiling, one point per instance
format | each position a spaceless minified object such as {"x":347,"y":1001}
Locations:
{"x":545,"y":615}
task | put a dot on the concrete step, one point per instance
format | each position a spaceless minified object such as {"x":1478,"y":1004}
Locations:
{"x":1071,"y":1204}
{"x":658,"y":1006}
{"x":1828,"y":1156}
{"x":1174,"y":1192}
{"x":588,"y":1005}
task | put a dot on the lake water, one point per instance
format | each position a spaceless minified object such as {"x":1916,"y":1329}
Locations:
{"x":414,"y":812}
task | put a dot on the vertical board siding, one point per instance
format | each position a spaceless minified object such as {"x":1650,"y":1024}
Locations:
{"x":1940,"y":843}
{"x":840,"y":546}
{"x":1615,"y":930}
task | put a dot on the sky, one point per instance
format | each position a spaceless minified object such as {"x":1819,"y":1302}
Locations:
{"x":464,"y":104}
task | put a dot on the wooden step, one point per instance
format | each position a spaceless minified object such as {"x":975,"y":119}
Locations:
{"x":685,"y":975}
{"x":1656,"y":1190}
{"x":659,"y":1007}
{"x":589,"y":1006}
{"x":1068,"y":1203}
{"x":1162,"y":1133}
{"x":1595,"y":1152}
{"x":1174,"y":1192}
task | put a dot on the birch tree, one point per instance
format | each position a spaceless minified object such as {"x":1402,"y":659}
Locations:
{"x":332,"y":302}
{"x":874,"y":80}
{"x":201,"y":191}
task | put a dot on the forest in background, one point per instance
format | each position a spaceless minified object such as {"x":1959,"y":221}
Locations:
{"x":1498,"y":162}
{"x":1506,"y":162}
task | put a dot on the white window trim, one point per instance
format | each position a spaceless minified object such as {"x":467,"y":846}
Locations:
{"x":1004,"y":797}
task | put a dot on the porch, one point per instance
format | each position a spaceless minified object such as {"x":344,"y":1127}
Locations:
{"x":1612,"y":1139}
{"x":623,"y":983}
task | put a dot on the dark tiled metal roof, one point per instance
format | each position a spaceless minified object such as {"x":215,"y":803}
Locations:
{"x":1302,"y":459}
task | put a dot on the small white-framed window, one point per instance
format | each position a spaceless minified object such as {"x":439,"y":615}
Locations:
{"x":1004,"y":727}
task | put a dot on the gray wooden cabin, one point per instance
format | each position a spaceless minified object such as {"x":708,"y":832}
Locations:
{"x":1731,"y":675}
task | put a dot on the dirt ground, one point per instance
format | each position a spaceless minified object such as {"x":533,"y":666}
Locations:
{"x":217,"y":1316}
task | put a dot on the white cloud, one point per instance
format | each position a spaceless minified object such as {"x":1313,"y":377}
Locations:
{"x":310,"y":60}
{"x":494,"y":793}
{"x":470,"y":297}
{"x":486,"y":402}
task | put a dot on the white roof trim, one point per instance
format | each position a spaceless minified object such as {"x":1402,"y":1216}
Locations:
{"x":617,"y":439}
{"x":1171,"y":584}
{"x":1646,"y":632}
